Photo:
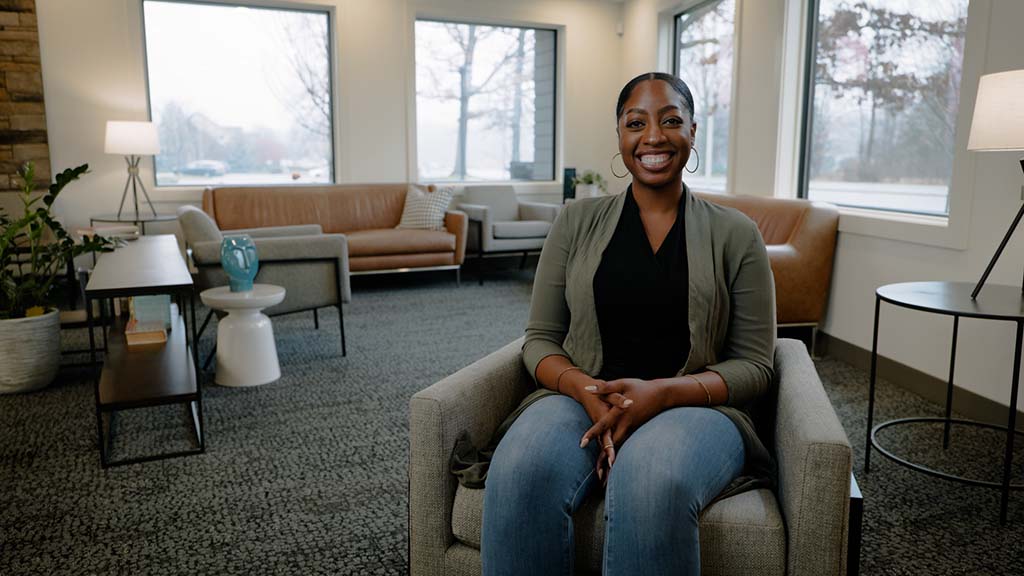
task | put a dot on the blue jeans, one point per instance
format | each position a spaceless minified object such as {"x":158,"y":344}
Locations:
{"x":663,"y":476}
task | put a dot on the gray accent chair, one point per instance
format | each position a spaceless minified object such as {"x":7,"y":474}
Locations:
{"x":799,"y":530}
{"x":500,"y":223}
{"x":310,"y":265}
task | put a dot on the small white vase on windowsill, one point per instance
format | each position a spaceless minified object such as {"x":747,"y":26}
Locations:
{"x":587,"y":191}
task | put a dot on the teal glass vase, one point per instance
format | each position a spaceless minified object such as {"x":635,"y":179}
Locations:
{"x":239,"y":259}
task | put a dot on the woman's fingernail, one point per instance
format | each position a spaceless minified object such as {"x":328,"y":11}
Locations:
{"x":628,"y":402}
{"x":590,"y":388}
{"x":611,"y":459}
{"x":583,"y":443}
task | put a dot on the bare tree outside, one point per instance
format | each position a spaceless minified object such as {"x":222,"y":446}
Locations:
{"x":704,"y":56}
{"x":240,"y":95}
{"x":886,"y":94}
{"x":476,"y":97}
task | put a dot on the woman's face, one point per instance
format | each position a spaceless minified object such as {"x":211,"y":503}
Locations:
{"x":655,"y":134}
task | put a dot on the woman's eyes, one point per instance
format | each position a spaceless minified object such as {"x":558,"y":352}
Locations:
{"x":673,"y":121}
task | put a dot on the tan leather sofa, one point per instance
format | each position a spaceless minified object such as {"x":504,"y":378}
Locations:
{"x":367,"y":214}
{"x":801,"y":239}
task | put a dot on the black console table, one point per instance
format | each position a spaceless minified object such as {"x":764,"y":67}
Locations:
{"x":148,"y":375}
{"x":1004,"y":303}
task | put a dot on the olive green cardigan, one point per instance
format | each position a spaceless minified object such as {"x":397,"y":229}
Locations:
{"x":731,"y":304}
{"x":731,"y":317}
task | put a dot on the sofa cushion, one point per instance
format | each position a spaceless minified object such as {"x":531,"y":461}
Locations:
{"x":522,"y":229}
{"x":425,"y":207}
{"x":743,"y":534}
{"x":386,"y":241}
{"x":363,"y":207}
{"x":261,"y":207}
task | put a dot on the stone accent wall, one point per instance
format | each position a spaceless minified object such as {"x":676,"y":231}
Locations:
{"x":22,"y":117}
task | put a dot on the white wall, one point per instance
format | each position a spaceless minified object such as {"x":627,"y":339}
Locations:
{"x":991,"y":182}
{"x":93,"y":71}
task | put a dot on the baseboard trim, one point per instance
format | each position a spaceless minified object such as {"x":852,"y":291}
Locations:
{"x":968,"y":403}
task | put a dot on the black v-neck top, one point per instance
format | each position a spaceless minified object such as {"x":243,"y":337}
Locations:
{"x":642,"y":300}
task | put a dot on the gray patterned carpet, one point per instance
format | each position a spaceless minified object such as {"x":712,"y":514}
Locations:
{"x":307,"y":475}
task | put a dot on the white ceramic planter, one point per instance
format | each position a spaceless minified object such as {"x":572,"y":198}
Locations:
{"x":587,"y":191}
{"x":29,"y":352}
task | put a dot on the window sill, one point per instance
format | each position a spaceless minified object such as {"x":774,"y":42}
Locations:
{"x":914,"y":228}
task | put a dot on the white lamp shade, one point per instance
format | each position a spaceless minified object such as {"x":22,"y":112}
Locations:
{"x":998,"y":122}
{"x":132,"y":138}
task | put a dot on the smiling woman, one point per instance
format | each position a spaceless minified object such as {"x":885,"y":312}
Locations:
{"x":651,"y":331}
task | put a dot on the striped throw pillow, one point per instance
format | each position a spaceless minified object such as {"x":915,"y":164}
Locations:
{"x":425,"y":207}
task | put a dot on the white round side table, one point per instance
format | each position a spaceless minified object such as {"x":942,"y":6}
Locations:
{"x":246,"y":353}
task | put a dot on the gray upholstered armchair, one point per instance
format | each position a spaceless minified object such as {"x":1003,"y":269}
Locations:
{"x":501,"y":223}
{"x":310,"y":265}
{"x":800,"y":529}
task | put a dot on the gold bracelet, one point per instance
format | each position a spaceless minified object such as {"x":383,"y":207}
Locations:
{"x":702,"y":385}
{"x":558,"y":381}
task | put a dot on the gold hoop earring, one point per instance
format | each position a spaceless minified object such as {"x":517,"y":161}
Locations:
{"x":611,"y":166}
{"x":697,"y":167}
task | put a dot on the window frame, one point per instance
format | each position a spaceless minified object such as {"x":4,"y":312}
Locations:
{"x":806,"y":130}
{"x":556,"y":133}
{"x":332,"y":73}
{"x":733,"y":84}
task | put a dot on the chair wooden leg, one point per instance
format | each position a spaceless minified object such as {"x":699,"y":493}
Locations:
{"x":458,"y":277}
{"x":522,"y":261}
{"x":341,"y":324}
{"x":316,"y":318}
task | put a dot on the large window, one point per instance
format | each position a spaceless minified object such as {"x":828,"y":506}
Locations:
{"x":882,"y":103}
{"x":240,"y":95}
{"x":703,"y":59}
{"x":485,"y":102}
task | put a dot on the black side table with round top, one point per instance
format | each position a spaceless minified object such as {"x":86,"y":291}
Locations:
{"x":995,"y":302}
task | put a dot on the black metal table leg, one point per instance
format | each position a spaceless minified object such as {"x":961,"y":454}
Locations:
{"x":871,"y":388}
{"x":1011,"y":425}
{"x":949,"y":385}
{"x":480,"y":251}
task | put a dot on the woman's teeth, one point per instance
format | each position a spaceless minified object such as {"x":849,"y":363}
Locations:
{"x":654,"y":160}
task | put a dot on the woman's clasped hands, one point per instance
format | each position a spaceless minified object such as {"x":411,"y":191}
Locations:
{"x":628,"y":404}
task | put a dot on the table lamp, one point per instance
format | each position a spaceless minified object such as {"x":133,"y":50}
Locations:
{"x":998,"y":125}
{"x":132,"y":140}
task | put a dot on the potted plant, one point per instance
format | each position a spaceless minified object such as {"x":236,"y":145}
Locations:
{"x":588,"y":183}
{"x":34,"y":251}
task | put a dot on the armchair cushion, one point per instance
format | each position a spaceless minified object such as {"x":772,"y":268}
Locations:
{"x":750,"y":521}
{"x":521,"y":229}
{"x":500,"y":200}
{"x":538,"y":211}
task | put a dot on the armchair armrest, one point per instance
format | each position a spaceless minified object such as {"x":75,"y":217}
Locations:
{"x":538,"y":211}
{"x":475,"y":399}
{"x":814,"y":462}
{"x":477,"y":212}
{"x":278,"y":231}
{"x":288,"y":249}
{"x":456,"y":222}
